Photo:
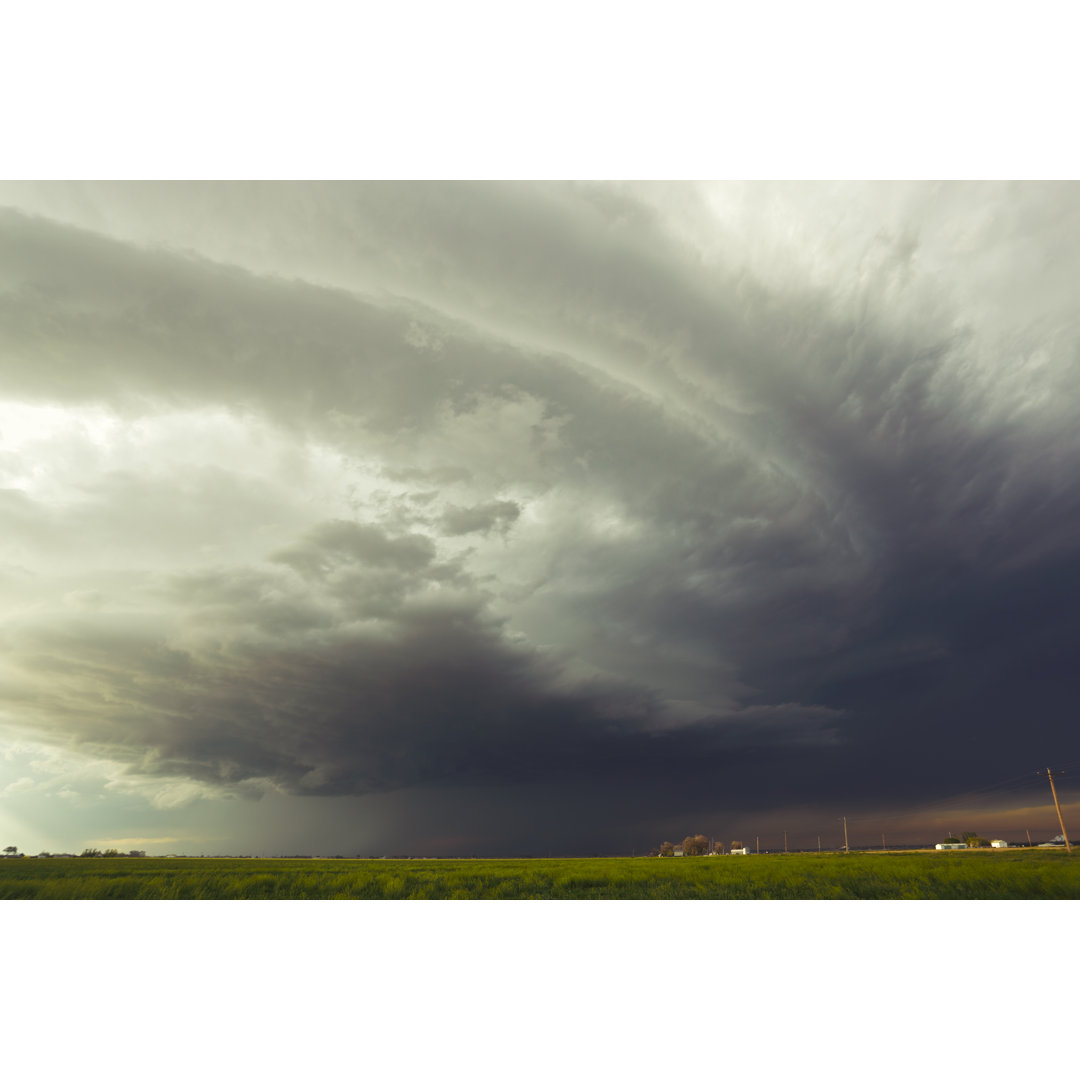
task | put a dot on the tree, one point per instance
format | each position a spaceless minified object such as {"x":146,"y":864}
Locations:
{"x":11,"y":849}
{"x":695,"y":845}
{"x":667,"y":850}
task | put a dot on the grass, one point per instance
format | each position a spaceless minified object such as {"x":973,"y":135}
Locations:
{"x":962,"y":875}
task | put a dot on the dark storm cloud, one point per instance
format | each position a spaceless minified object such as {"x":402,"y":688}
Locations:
{"x":618,"y":500}
{"x":434,"y":696}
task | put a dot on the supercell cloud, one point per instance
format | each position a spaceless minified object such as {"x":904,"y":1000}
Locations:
{"x":477,"y":518}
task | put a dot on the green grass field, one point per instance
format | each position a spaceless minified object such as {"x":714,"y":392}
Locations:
{"x":963,"y":875}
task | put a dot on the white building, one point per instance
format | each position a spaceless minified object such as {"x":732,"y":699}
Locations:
{"x":999,"y":843}
{"x":951,"y":847}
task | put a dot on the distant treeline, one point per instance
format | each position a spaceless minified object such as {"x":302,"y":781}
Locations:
{"x":12,"y":852}
{"x":93,"y":853}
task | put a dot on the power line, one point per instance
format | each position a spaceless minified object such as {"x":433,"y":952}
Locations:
{"x":1057,"y":807}
{"x":1018,"y":781}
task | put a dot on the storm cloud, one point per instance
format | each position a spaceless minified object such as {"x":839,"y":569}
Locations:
{"x":658,"y":502}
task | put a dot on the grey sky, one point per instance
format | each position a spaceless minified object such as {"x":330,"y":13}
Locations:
{"x":495,"y":517}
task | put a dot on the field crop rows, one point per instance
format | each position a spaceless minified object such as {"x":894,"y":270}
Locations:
{"x":974,"y":875}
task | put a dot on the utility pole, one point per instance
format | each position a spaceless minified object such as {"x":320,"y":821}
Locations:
{"x":819,"y":845}
{"x":757,"y":844}
{"x":847,"y":850}
{"x":1028,"y":831}
{"x":882,"y":841}
{"x":1057,"y":806}
{"x":785,"y":841}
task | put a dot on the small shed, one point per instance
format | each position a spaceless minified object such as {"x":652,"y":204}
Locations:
{"x":951,"y":847}
{"x":737,"y":848}
{"x":999,"y":843}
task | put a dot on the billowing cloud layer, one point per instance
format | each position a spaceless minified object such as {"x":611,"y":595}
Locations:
{"x":696,"y":497}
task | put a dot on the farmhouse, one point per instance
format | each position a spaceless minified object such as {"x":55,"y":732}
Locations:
{"x":999,"y":843}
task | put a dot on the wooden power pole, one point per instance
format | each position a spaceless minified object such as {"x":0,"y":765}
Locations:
{"x":785,"y":841}
{"x":846,"y":848}
{"x":1057,"y":807}
{"x":757,"y":844}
